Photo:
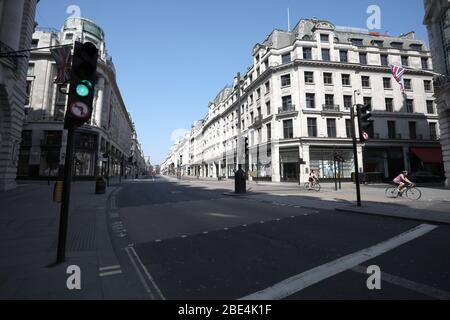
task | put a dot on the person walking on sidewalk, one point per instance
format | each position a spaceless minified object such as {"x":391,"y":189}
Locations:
{"x":402,"y":181}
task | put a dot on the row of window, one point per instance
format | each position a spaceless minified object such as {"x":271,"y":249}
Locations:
{"x":343,"y":57}
{"x":288,"y":129}
{"x":348,"y":102}
{"x":346,"y":81}
{"x":325,"y":38}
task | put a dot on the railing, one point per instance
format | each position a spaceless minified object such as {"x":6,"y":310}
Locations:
{"x":258,"y":119}
{"x":287,"y":109}
{"x":47,"y":30}
{"x":331,"y":107}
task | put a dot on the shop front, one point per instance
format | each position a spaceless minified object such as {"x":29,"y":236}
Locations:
{"x":290,"y":164}
{"x":322,"y":162}
{"x":387,"y":161}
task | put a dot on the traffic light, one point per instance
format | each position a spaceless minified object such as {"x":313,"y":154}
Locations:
{"x":83,"y":78}
{"x":364,"y":122}
{"x":246,"y":146}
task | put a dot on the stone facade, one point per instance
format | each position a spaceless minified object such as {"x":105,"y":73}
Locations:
{"x":437,"y":20}
{"x":104,"y":146}
{"x":294,"y":104}
{"x":17,"y":23}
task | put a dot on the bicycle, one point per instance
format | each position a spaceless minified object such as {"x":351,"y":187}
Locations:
{"x":411,"y":191}
{"x":315,"y":186}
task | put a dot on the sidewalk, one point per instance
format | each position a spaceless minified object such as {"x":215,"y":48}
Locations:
{"x":29,"y":223}
{"x":434,"y":207}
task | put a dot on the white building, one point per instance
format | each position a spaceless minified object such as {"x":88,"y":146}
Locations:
{"x":437,"y":20}
{"x":16,"y":27}
{"x":295,"y":105}
{"x":104,"y":145}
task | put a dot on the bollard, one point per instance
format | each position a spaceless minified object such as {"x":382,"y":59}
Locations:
{"x":58,"y":191}
{"x":100,"y":186}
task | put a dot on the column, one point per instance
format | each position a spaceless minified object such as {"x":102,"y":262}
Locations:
{"x":305,"y":169}
{"x":276,"y":177}
{"x":99,"y":101}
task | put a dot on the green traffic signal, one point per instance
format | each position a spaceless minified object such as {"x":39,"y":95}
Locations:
{"x":84,"y":88}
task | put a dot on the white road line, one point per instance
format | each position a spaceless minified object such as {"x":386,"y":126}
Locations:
{"x":140,"y":275}
{"x":410,"y":285}
{"x":149,"y":277}
{"x":111,"y":273}
{"x":109,"y":268}
{"x":304,"y":280}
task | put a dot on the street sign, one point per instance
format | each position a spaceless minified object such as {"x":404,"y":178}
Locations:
{"x":366,"y":136}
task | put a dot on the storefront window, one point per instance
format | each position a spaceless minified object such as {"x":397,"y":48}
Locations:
{"x":322,"y":161}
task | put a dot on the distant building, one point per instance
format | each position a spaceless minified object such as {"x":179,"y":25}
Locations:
{"x":16,"y":27}
{"x":295,"y":109}
{"x":437,"y":20}
{"x":104,"y":145}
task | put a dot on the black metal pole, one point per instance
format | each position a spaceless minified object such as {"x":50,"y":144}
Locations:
{"x":65,"y":204}
{"x":355,"y":154}
{"x":340,"y":164}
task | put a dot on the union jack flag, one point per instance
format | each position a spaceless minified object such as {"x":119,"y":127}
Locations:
{"x":398,"y":72}
{"x":63,"y":58}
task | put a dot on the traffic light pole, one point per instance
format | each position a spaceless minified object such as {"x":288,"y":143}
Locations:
{"x":65,"y":204}
{"x":355,"y":154}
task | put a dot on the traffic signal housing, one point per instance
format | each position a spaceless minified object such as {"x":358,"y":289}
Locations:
{"x":364,"y":122}
{"x":83,"y":78}
{"x":246,"y":146}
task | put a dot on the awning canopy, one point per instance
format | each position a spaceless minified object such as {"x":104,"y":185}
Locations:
{"x":428,"y":155}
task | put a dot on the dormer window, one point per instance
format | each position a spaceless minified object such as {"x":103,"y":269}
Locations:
{"x":378,"y":43}
{"x":416,"y":47}
{"x":69,"y":36}
{"x":357,"y":42}
{"x":397,"y":45}
{"x":324,"y":38}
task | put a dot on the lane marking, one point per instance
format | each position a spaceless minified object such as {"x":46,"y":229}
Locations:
{"x":139,"y":273}
{"x":408,"y":284}
{"x":109,"y":268}
{"x":110,"y":273}
{"x":147,"y":273}
{"x":304,"y":280}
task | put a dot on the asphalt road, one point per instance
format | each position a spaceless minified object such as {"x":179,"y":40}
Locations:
{"x":194,"y":242}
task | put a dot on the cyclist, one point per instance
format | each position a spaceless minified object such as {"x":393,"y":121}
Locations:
{"x":402,"y":182}
{"x":312,"y":179}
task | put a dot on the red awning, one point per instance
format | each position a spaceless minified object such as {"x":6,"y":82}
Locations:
{"x":428,"y":155}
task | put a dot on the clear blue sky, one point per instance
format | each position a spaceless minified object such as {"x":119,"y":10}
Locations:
{"x":173,"y":57}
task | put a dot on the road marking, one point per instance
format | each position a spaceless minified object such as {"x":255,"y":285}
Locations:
{"x":110,"y":273}
{"x":109,"y":268}
{"x":408,"y":284}
{"x":135,"y":260}
{"x":304,"y":280}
